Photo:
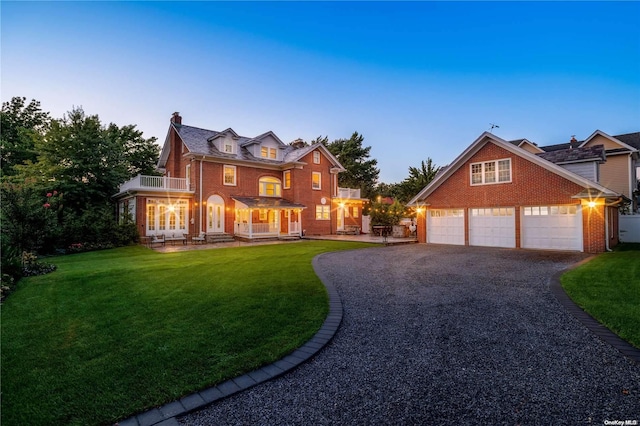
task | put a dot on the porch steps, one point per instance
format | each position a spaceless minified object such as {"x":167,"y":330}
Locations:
{"x":220,"y":237}
{"x":289,"y":237}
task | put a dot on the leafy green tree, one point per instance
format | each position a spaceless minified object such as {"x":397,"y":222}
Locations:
{"x":64,"y":197}
{"x":361,"y":172}
{"x":21,"y":125}
{"x":417,"y":180}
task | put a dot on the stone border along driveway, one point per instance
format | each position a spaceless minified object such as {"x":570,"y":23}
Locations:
{"x":433,"y":334}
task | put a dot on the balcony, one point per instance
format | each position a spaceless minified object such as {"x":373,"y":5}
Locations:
{"x":348,"y":193}
{"x":156,"y":183}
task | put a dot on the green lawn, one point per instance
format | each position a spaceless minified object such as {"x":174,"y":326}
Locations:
{"x":115,"y":332}
{"x":608,"y":288}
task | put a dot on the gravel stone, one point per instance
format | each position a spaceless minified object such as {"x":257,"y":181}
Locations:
{"x":434,"y":333}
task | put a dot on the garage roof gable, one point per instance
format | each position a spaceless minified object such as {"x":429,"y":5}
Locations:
{"x":488,"y":137}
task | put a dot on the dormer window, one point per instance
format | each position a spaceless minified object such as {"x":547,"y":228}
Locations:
{"x":228,"y":146}
{"x":266,"y":152}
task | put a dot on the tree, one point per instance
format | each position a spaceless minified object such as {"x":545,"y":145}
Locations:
{"x":80,"y":165}
{"x":417,"y":180}
{"x":361,"y":172}
{"x":21,"y":126}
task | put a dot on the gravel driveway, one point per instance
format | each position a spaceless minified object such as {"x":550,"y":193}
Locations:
{"x":434,"y":334}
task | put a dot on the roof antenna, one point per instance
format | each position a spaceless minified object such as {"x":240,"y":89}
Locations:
{"x":493,"y":126}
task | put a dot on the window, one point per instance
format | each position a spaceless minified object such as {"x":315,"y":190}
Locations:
{"x":266,"y":152}
{"x":316,"y":180}
{"x":346,"y":211}
{"x":269,"y":187}
{"x":228,"y":146}
{"x":151,"y":216}
{"x":322,"y":212}
{"x":355,"y":211}
{"x":316,"y":157}
{"x":489,"y":172}
{"x":230,"y":175}
{"x":162,"y":211}
{"x":287,"y":179}
{"x":550,"y":210}
{"x":262,"y":214}
{"x":187,"y":175}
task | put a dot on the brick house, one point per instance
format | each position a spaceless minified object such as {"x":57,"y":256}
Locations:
{"x":222,"y":184}
{"x":507,"y":194}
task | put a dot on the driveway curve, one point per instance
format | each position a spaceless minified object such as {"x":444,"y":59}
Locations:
{"x":435,"y":334}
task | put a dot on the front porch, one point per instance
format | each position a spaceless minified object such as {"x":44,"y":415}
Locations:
{"x":264,"y":217}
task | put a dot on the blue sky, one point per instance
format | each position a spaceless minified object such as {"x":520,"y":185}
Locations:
{"x":417,"y":79}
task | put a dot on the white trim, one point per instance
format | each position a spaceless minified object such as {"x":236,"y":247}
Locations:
{"x":483,"y":172}
{"x":224,"y":175}
{"x":319,"y":174}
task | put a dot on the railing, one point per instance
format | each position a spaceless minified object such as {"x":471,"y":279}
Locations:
{"x":258,"y":229}
{"x":348,"y":193}
{"x":156,"y":182}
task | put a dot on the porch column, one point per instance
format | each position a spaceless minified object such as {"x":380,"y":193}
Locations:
{"x":289,"y":221}
{"x":250,"y":223}
{"x":277,"y":216}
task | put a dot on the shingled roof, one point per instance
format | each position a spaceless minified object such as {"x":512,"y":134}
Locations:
{"x":575,"y":155}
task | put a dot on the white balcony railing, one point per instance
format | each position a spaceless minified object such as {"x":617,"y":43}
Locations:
{"x":160,"y":183}
{"x":348,"y":193}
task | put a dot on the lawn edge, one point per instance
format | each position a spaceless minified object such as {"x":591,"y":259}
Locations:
{"x":593,"y":325}
{"x":167,"y":413}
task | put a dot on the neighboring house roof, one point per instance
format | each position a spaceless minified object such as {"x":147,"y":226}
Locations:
{"x":198,"y":141}
{"x":628,"y":142}
{"x":487,"y":137}
{"x":575,"y":155}
{"x":268,"y":203}
{"x":521,"y":142}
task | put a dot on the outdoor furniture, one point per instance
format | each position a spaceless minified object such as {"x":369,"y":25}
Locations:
{"x":200,"y":239}
{"x":157,"y":239}
{"x":350,"y":230}
{"x":176,"y":237}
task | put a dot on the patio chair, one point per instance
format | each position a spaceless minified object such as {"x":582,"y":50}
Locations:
{"x":200,"y":239}
{"x":158,"y":239}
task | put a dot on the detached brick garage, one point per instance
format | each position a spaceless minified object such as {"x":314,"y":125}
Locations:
{"x":500,"y":195}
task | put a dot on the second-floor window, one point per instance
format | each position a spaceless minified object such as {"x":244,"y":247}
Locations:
{"x":287,"y":179}
{"x":316,"y":180}
{"x":187,"y":175}
{"x":316,"y":157}
{"x":269,"y":187}
{"x":488,"y":172}
{"x":228,"y":147}
{"x":230,"y":175}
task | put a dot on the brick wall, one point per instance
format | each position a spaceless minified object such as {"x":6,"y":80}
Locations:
{"x":531,"y":185}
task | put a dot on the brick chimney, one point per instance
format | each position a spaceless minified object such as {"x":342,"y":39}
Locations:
{"x":573,"y":142}
{"x":176,"y":119}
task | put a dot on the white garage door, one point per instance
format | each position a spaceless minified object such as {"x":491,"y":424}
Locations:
{"x":445,"y":226}
{"x":552,"y":227}
{"x":493,"y":227}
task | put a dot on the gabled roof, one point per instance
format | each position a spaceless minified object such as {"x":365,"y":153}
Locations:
{"x":628,"y":142}
{"x":622,"y":144}
{"x":487,"y":137}
{"x":198,"y":143}
{"x":575,"y":155}
{"x":520,"y":142}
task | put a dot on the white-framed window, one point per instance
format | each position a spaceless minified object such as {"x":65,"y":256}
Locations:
{"x":287,"y":179}
{"x":266,"y":152}
{"x":356,"y":211}
{"x":316,"y":157}
{"x":262,"y":214}
{"x":490,"y":172}
{"x":164,"y":216}
{"x":187,"y":175}
{"x":228,"y":146}
{"x":323,"y":212}
{"x":571,"y":210}
{"x":316,"y":180}
{"x":269,"y":187}
{"x":229,"y":175}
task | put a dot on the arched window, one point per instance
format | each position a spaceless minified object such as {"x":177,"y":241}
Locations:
{"x":270,"y":187}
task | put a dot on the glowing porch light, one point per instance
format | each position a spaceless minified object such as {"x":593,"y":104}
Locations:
{"x":591,"y":204}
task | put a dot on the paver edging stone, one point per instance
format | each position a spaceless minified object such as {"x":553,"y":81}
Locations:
{"x":592,"y":324}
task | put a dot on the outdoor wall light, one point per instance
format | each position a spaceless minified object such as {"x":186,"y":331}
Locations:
{"x":591,"y":204}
